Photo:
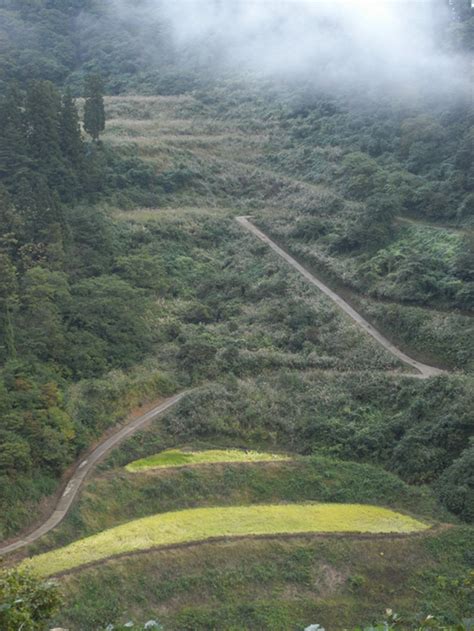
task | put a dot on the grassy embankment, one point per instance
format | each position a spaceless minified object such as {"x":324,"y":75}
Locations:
{"x":275,"y":585}
{"x":180,"y":458}
{"x":114,"y":496}
{"x":200,"y":524}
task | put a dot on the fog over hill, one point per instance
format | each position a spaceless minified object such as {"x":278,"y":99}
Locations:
{"x":396,"y":42}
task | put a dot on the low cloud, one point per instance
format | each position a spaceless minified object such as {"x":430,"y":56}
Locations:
{"x":389,"y":42}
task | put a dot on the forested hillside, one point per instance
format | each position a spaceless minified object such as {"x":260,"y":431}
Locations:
{"x":127,"y":150}
{"x":67,"y":310}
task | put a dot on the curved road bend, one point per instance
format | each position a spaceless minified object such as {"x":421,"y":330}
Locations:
{"x":84,"y":467}
{"x":424,"y":370}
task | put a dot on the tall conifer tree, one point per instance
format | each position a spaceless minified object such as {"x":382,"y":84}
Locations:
{"x":43,"y":112}
{"x":13,"y":145}
{"x":8,"y":302}
{"x":72,"y":149}
{"x":70,"y":132}
{"x":94,"y":111}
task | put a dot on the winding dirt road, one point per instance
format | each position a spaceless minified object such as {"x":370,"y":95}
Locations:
{"x":84,"y":467}
{"x":424,"y":370}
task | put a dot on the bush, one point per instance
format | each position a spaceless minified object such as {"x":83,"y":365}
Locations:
{"x":456,"y":486}
{"x":26,"y":602}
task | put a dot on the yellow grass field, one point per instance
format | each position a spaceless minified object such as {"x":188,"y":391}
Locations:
{"x":179,"y":458}
{"x":200,"y":524}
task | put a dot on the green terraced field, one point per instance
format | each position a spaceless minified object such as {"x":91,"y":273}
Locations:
{"x":179,"y":458}
{"x":200,"y":524}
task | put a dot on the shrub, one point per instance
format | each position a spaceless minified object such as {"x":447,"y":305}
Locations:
{"x":456,"y":486}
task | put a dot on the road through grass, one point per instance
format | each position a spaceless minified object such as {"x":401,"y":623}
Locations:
{"x":424,"y":370}
{"x":201,"y":524}
{"x":82,"y":468}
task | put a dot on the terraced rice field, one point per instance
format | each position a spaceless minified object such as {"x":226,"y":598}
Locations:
{"x":180,"y":458}
{"x":201,"y":524}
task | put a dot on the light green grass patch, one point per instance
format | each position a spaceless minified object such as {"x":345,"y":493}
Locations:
{"x":200,"y":524}
{"x":179,"y":458}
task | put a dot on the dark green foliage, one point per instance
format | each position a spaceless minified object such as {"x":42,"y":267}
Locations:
{"x":41,"y":150}
{"x":70,"y":132}
{"x":110,"y":314}
{"x":464,"y":263}
{"x":26,"y":603}
{"x":43,"y":108}
{"x":72,"y":147}
{"x":94,"y":242}
{"x":456,"y":486}
{"x":374,"y":227}
{"x":363,"y":175}
{"x":45,"y":299}
{"x":144,"y":270}
{"x":8,"y":298}
{"x":14,"y":158}
{"x":441,"y":338}
{"x":419,"y":155}
{"x":413,"y":428}
{"x":45,"y":424}
{"x":34,"y":419}
{"x":66,"y":40}
{"x":94,"y":112}
{"x":391,"y":230}
{"x":60,"y":313}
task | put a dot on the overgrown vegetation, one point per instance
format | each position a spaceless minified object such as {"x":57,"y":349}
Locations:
{"x":26,"y":602}
{"x":115,"y":497}
{"x":123,"y":277}
{"x":67,"y":310}
{"x":268,"y":585}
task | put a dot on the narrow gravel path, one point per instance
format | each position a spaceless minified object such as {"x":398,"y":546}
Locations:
{"x":424,"y":370}
{"x":84,"y":467}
